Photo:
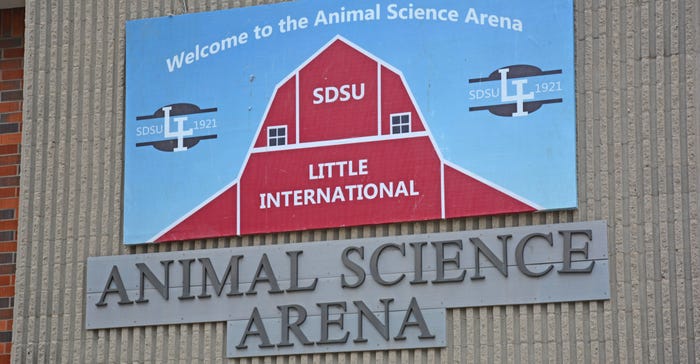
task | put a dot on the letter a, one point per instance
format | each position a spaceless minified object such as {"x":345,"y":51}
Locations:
{"x":256,"y":320}
{"x":116,"y":278}
{"x":414,"y":310}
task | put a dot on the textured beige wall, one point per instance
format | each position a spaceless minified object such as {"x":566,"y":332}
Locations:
{"x":638,"y":68}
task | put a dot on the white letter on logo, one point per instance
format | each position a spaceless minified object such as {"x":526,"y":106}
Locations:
{"x":519,"y":96}
{"x":180,"y":129}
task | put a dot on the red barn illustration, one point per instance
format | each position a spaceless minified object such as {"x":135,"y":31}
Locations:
{"x":342,"y":143}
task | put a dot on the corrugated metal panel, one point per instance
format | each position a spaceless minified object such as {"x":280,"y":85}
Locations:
{"x":637,"y":68}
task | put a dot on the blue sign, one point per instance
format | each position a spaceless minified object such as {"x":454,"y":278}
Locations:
{"x":492,"y":82}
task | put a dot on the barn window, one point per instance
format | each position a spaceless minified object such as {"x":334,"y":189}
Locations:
{"x":401,"y":123}
{"x":276,"y":135}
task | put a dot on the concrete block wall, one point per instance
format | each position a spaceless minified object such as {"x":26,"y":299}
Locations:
{"x":638,"y":68}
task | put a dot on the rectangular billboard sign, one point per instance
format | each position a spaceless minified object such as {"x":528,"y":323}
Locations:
{"x":320,"y":114}
{"x":330,"y":296}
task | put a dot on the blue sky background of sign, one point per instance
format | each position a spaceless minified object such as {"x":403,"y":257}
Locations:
{"x":533,"y":156}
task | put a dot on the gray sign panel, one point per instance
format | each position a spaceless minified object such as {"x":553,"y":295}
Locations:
{"x":532,"y":264}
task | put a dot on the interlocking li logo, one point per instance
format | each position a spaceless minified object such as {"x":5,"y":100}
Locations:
{"x":176,"y":127}
{"x":515,"y":99}
{"x":180,"y":133}
{"x":519,"y":96}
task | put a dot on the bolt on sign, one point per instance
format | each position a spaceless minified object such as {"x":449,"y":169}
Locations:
{"x":320,"y":114}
